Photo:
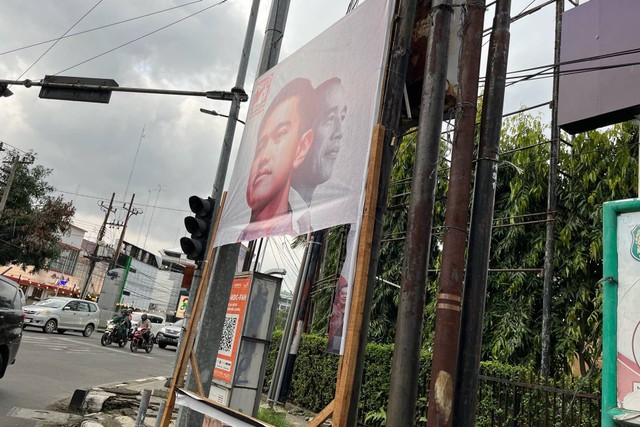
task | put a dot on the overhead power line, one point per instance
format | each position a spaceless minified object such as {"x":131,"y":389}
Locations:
{"x":137,"y":205}
{"x":141,"y":37}
{"x":57,"y":40}
{"x":547,"y":70}
{"x":99,"y":28}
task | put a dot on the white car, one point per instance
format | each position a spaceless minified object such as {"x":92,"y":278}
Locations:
{"x":169,"y":335}
{"x":63,"y":314}
{"x":154,"y":319}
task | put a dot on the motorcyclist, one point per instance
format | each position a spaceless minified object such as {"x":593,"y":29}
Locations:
{"x":145,"y":326}
{"x":122,"y":324}
{"x":127,"y":322}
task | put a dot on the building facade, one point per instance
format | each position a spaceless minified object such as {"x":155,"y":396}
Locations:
{"x":65,"y":276}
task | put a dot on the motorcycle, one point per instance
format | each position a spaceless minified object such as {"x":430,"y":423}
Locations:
{"x":111,"y":335}
{"x":138,"y":341}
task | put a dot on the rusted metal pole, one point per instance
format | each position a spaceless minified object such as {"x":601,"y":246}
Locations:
{"x":403,"y":389}
{"x":484,"y":195}
{"x":391,"y":113}
{"x":445,"y":350}
{"x":552,"y":201}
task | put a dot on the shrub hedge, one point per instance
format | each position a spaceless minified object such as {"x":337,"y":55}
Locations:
{"x":314,"y":381}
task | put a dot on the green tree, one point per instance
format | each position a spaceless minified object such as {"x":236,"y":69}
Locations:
{"x":33,"y":220}
{"x":595,"y":167}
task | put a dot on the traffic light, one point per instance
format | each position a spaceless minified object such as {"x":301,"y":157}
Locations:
{"x":195,"y":247}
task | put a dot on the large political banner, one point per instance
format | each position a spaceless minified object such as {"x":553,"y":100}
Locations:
{"x":302,"y":162}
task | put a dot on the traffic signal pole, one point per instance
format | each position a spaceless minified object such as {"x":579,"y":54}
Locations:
{"x":87,"y":90}
{"x":224,"y":267}
{"x":217,"y":296}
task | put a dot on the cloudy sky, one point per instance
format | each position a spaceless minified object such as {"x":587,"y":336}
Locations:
{"x":175,"y":44}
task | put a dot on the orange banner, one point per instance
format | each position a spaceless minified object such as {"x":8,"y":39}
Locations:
{"x":232,"y":328}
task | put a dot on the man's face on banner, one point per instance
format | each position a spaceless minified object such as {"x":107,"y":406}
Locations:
{"x":328,"y":132}
{"x":277,"y":154}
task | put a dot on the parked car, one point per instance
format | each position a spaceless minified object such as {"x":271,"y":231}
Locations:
{"x":169,"y":335}
{"x":11,"y":320}
{"x":63,"y":314}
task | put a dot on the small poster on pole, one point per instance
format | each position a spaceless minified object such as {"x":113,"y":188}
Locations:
{"x":232,"y":329}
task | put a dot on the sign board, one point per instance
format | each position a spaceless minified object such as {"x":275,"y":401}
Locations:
{"x":621,"y":311}
{"x":232,"y":329}
{"x":598,"y":78}
{"x":77,"y":92}
{"x":182,"y":306}
{"x":239,"y":372}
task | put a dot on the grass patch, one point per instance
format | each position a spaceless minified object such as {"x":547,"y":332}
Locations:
{"x":276,"y":419}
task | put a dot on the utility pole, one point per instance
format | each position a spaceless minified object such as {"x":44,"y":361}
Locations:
{"x":447,"y":330}
{"x":7,"y":186}
{"x":403,"y":388}
{"x":484,"y":195}
{"x":552,"y":199}
{"x":93,"y":258}
{"x":219,"y":286}
{"x":391,"y":113}
{"x":130,"y":211}
{"x":27,"y":160}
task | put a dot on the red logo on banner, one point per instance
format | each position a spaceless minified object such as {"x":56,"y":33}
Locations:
{"x":260,"y":95}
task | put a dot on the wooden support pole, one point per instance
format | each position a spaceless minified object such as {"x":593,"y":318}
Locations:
{"x":322,"y":416}
{"x":345,"y":383}
{"x":344,"y":388}
{"x":196,"y":373}
{"x":186,"y":349}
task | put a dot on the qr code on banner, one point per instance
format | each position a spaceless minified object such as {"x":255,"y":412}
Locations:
{"x":228,"y":334}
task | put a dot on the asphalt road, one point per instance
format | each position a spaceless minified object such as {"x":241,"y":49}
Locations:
{"x":51,"y":367}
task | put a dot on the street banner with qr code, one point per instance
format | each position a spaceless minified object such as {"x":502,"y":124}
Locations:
{"x":302,"y":162}
{"x":232,"y":328}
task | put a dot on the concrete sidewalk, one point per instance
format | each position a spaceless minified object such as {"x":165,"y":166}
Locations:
{"x":117,"y":405}
{"x":110,"y":405}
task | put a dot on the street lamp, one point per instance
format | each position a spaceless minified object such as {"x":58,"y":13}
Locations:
{"x":279,"y":271}
{"x":215,"y":113}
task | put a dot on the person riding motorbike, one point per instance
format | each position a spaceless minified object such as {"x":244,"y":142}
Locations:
{"x":145,"y":325}
{"x":123,"y":324}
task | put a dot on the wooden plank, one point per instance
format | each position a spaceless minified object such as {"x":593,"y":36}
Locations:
{"x":322,"y":416}
{"x":186,"y":348}
{"x":345,"y":384}
{"x":196,"y":373}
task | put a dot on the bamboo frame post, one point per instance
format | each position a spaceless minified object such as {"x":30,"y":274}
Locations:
{"x":339,"y":407}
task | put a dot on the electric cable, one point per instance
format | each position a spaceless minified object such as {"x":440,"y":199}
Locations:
{"x":100,"y":27}
{"x":57,"y":40}
{"x":140,"y":38}
{"x":135,"y":205}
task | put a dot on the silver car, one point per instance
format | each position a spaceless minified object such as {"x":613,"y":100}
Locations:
{"x":169,"y":334}
{"x":63,"y":314}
